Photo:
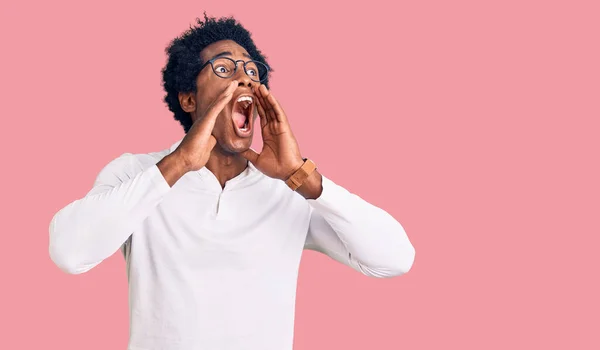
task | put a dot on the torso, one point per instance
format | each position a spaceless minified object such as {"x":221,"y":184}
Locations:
{"x":216,"y":268}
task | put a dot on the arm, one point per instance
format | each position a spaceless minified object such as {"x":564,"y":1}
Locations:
{"x":354,"y":232}
{"x":342,"y":225}
{"x":90,"y":229}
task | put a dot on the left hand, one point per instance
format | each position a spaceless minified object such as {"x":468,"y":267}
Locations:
{"x":280,"y":156}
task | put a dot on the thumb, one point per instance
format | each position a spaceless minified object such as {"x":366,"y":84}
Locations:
{"x":212,"y":142}
{"x":251,"y":155}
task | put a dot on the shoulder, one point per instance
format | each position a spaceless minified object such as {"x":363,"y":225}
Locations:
{"x":128,"y":165}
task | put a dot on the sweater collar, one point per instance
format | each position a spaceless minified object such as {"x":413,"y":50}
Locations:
{"x":208,"y":175}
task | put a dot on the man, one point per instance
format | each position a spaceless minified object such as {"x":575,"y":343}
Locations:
{"x":212,"y":231}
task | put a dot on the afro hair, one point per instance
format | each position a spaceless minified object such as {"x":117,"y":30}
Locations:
{"x":184,"y":62}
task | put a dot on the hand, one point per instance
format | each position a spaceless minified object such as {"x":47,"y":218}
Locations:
{"x":280,"y":156}
{"x":194,"y":150}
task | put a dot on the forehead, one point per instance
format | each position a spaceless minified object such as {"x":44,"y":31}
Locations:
{"x":222,"y":46}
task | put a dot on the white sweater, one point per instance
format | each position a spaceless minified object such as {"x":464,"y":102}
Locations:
{"x":212,"y":268}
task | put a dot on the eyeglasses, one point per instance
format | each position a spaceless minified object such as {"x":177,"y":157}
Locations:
{"x":225,"y":67}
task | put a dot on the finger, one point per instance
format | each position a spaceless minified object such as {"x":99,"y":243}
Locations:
{"x":268,"y":103}
{"x":251,"y":155}
{"x":279,"y":113}
{"x":220,"y":102}
{"x":261,"y":114}
{"x":207,"y":122}
{"x":261,"y":107}
{"x":268,"y":112}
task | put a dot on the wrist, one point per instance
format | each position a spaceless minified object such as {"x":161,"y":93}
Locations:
{"x":312,"y":187}
{"x":294,"y":168}
{"x":305,"y":179}
{"x":181,"y":163}
{"x":173,"y":167}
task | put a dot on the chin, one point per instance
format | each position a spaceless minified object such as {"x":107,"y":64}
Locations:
{"x":237,"y":145}
{"x":243,"y":145}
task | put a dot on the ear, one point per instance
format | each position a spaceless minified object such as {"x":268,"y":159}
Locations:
{"x":187,"y":101}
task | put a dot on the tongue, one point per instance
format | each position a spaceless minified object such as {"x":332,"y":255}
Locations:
{"x":239,"y":119}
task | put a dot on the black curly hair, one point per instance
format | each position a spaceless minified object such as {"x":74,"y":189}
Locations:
{"x":184,"y":62}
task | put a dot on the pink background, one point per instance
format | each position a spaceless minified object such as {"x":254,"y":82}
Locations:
{"x":474,"y":123}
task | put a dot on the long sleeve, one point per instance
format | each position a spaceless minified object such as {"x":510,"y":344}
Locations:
{"x":358,"y":234}
{"x":90,"y":229}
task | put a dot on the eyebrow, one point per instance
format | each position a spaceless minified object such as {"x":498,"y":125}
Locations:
{"x":227,"y":53}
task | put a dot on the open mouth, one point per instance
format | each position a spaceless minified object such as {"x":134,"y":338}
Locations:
{"x":242,"y":113}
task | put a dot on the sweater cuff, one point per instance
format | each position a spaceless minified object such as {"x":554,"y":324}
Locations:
{"x":158,"y":180}
{"x":331,"y":196}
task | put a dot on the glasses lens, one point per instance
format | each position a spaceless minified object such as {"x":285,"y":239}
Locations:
{"x":257,"y":71}
{"x":223,"y":67}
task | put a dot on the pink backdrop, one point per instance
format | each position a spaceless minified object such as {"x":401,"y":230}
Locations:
{"x":474,"y":124}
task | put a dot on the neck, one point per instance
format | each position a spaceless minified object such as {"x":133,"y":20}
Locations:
{"x":225,"y":166}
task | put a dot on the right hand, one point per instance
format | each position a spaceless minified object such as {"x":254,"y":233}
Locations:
{"x":194,"y":150}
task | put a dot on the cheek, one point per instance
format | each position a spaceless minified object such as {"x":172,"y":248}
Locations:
{"x":207,"y":91}
{"x":222,"y":125}
{"x":204,"y":101}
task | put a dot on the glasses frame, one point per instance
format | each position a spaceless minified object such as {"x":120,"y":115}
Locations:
{"x":236,"y":67}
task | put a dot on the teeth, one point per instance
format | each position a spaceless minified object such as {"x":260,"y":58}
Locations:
{"x":245,"y":98}
{"x":245,"y":101}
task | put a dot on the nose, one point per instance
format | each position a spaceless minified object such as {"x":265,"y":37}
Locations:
{"x":241,"y":76}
